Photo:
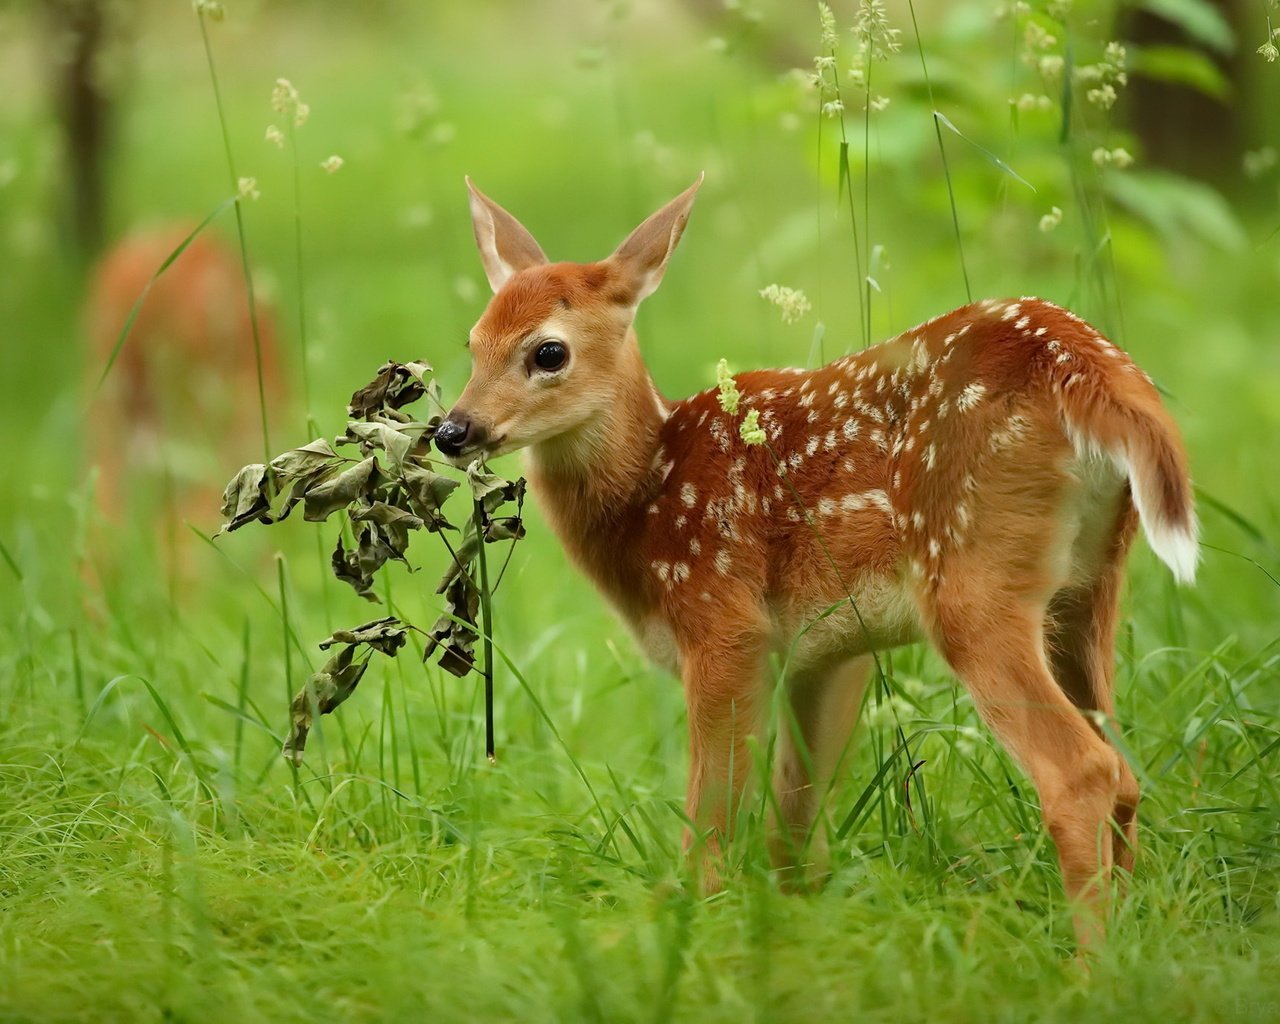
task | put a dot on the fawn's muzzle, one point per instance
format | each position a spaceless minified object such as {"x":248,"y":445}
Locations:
{"x":457,"y":434}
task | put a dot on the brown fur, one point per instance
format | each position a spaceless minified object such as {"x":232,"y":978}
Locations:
{"x":963,"y":482}
{"x":180,"y":406}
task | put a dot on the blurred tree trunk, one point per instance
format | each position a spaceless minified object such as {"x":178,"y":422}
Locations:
{"x":79,"y":32}
{"x":1182,"y":128}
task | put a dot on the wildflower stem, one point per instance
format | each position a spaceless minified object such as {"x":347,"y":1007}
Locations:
{"x":244,"y":245}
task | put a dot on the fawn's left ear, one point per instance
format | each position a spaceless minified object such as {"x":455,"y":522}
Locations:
{"x":505,"y":246}
{"x":642,"y":258}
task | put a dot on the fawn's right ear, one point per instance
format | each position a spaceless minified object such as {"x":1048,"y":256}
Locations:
{"x":505,"y":246}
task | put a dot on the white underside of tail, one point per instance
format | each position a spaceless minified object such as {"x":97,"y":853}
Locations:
{"x":1177,"y":545}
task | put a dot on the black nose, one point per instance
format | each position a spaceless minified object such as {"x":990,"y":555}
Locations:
{"x":451,"y":436}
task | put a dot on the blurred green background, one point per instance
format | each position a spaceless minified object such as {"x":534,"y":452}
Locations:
{"x":581,"y":117}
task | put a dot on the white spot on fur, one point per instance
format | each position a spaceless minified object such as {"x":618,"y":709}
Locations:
{"x":1013,"y":431}
{"x":970,"y":396}
{"x":689,"y":495}
{"x":867,"y":499}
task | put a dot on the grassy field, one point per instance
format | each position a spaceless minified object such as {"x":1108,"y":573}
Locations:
{"x":159,"y":859}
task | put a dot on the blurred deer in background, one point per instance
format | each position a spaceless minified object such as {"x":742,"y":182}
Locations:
{"x":180,"y":405}
{"x":976,"y":481}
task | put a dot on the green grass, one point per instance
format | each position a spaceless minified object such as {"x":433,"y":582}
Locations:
{"x":158,"y":859}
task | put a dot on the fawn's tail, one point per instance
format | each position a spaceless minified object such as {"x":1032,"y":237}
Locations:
{"x":1111,"y":408}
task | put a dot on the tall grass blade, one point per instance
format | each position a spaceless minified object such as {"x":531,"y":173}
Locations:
{"x":942,"y":152}
{"x":994,"y":160}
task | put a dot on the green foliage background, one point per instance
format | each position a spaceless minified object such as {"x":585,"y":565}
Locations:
{"x":157,"y":857}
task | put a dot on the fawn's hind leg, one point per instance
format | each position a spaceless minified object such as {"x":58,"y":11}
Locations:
{"x":996,"y":646}
{"x":820,"y":710}
{"x":1080,"y":641}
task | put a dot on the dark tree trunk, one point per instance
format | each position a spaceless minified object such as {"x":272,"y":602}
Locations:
{"x":79,"y":29}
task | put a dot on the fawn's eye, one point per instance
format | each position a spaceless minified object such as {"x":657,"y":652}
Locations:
{"x":550,"y":355}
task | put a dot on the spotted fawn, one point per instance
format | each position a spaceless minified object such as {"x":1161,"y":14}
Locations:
{"x":975,"y":481}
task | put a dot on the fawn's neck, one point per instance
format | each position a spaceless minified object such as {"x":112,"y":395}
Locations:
{"x":594,"y":481}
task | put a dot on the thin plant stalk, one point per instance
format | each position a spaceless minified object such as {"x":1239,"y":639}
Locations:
{"x":240,"y":233}
{"x":864,"y":319}
{"x":301,"y":281}
{"x":866,"y":199}
{"x":942,"y":152}
{"x":312,"y":427}
{"x":486,"y":632}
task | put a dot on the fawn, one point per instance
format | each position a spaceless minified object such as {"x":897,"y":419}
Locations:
{"x":975,"y":481}
{"x":168,"y":417}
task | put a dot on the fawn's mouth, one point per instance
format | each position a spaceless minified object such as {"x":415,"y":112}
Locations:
{"x":470,"y":453}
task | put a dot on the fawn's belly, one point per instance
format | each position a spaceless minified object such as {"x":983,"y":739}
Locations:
{"x":878,"y":613}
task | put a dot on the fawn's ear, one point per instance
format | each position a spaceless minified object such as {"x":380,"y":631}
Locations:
{"x":643,"y":257}
{"x":505,"y":246}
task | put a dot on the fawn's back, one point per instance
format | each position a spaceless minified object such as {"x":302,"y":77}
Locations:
{"x":970,"y":438}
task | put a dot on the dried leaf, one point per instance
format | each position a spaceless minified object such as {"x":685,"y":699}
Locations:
{"x":490,"y":489}
{"x":456,"y":639}
{"x":504,"y":528}
{"x":428,"y":492}
{"x":304,"y":461}
{"x":347,"y":567}
{"x":325,"y":498}
{"x":298,"y":490}
{"x":386,"y":635}
{"x":374,"y":550}
{"x":396,"y":385}
{"x":337,"y":680}
{"x":386,"y":515}
{"x":247,"y":498}
{"x":465,"y":552}
{"x":377,"y":434}
{"x":324,"y":691}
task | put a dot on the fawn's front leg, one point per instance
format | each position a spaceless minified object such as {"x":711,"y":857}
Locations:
{"x":724,"y":684}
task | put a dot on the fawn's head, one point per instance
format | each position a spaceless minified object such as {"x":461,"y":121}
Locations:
{"x":546,"y":355}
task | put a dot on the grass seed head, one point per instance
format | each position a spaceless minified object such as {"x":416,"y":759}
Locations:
{"x":793,"y":303}
{"x":728,"y":388}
